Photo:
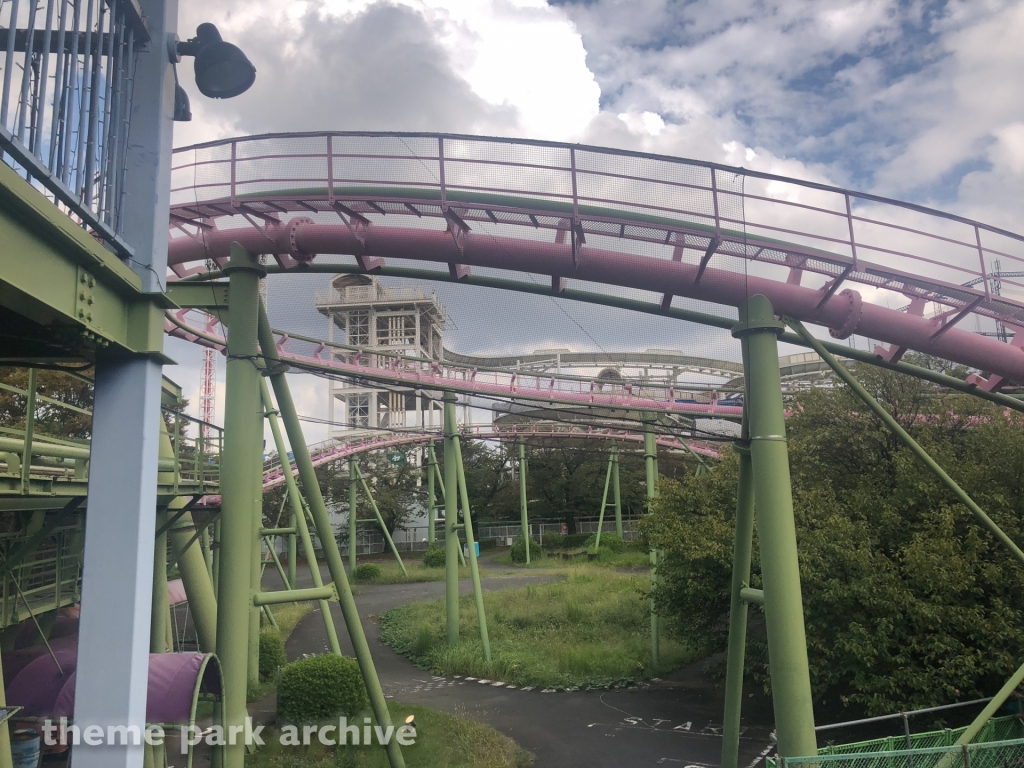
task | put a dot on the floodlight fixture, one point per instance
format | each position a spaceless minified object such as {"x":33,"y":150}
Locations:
{"x":222,"y":70}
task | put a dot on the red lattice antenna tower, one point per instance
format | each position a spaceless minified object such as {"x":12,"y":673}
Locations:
{"x":208,"y":381}
{"x":208,"y":385}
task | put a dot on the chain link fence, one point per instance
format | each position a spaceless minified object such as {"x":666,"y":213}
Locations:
{"x":1000,"y":744}
{"x":370,"y":541}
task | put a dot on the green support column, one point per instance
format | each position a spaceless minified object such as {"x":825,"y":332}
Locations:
{"x":616,"y":490}
{"x":353,"y":501}
{"x":256,"y":561}
{"x":467,"y":517}
{"x":604,"y":503}
{"x":651,"y":466}
{"x":158,"y":619}
{"x":243,"y":440}
{"x":299,"y":516}
{"x":204,"y":543}
{"x":738,"y":611}
{"x":783,"y":606}
{"x":293,"y":545}
{"x":322,"y":522}
{"x":195,"y":575}
{"x":215,"y":555}
{"x":524,"y":515}
{"x":195,"y":578}
{"x":30,"y":425}
{"x":738,"y":607}
{"x":451,"y":540}
{"x":431,"y":495}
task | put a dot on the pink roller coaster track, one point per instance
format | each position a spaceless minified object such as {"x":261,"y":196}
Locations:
{"x":664,"y":225}
{"x":499,"y":384}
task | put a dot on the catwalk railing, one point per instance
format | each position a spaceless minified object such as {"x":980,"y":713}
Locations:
{"x":66,"y":104}
{"x":679,"y":227}
{"x":33,"y":463}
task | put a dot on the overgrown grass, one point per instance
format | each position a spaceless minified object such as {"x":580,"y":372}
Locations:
{"x":288,"y":615}
{"x":592,"y":629}
{"x":631,"y":558}
{"x":441,"y":740}
{"x":391,"y":573}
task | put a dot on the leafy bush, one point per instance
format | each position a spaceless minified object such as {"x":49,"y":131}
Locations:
{"x":554,"y":541}
{"x":610,"y":541}
{"x":434,"y":557}
{"x":271,"y":653}
{"x":565,"y":540}
{"x":519,"y":551}
{"x":368,"y":572}
{"x":320,"y":688}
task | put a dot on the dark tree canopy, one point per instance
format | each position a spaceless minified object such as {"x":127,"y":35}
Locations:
{"x":908,"y":602}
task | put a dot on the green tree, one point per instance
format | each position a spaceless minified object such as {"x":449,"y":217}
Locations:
{"x":908,"y":603}
{"x":393,"y":485}
{"x":51,"y":419}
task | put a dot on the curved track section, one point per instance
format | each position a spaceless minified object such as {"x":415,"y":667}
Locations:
{"x":433,"y":375}
{"x":664,"y":225}
{"x":331,"y":450}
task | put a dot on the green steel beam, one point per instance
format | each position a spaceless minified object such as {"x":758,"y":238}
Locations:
{"x":616,"y":491}
{"x":243,"y":448}
{"x":651,"y":468}
{"x":524,"y":512}
{"x":474,"y":567}
{"x":179,"y":530}
{"x":738,"y":611}
{"x":451,"y":513}
{"x":992,"y":707}
{"x":743,"y":538}
{"x":160,"y":612}
{"x":751,"y":595}
{"x":277,"y":563}
{"x":604,"y":503}
{"x":353,"y":519}
{"x":773,"y":500}
{"x":58,"y":276}
{"x":431,"y":494}
{"x":256,"y":557}
{"x":179,"y":512}
{"x":299,"y":516}
{"x":318,"y":510}
{"x":293,"y":595}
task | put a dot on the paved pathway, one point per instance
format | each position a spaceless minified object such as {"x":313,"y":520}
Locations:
{"x":675,"y":722}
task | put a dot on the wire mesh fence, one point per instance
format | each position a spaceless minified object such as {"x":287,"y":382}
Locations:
{"x":995,"y":754}
{"x":996,"y":729}
{"x":414,"y":539}
{"x":999,"y":744}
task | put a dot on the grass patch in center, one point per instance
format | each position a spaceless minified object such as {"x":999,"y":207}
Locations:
{"x":391,"y":572}
{"x":592,"y":629}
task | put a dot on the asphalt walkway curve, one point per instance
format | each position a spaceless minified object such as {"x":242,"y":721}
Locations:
{"x":671,"y":722}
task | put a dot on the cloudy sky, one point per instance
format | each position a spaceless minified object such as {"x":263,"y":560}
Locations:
{"x":914,"y":99}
